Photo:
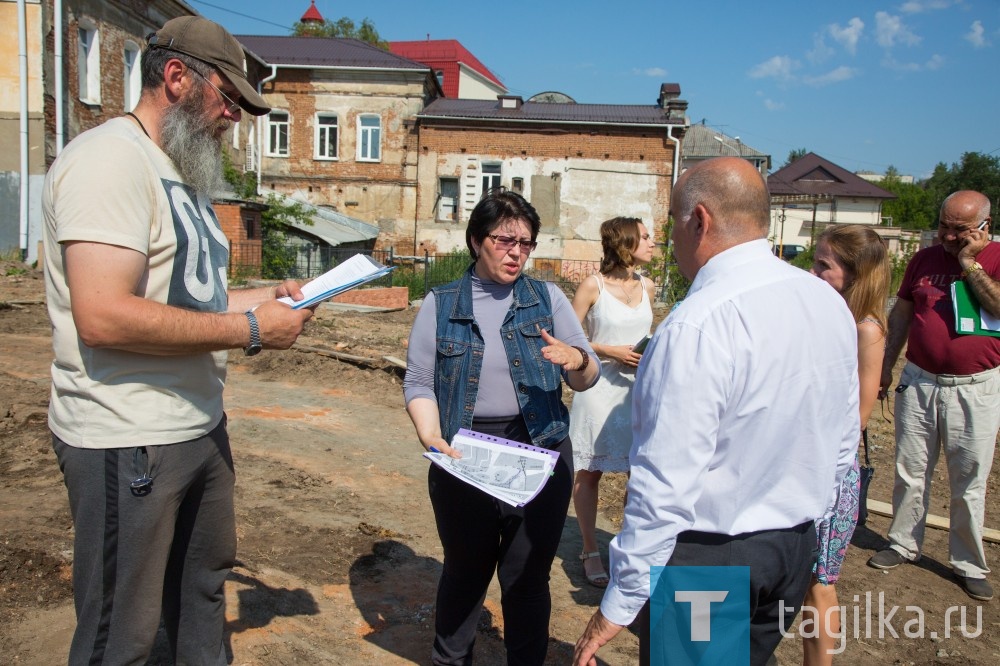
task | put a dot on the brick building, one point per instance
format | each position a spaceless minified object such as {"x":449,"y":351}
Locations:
{"x":340,"y":132}
{"x":579,"y":164}
{"x":368,"y":133}
{"x":98,"y":44}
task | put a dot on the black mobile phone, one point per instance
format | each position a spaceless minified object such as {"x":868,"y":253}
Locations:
{"x":640,"y":346}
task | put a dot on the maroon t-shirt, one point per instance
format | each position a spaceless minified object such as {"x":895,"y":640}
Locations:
{"x":933,"y":343}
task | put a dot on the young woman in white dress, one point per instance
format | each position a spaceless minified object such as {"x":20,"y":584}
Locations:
{"x":615,"y":308}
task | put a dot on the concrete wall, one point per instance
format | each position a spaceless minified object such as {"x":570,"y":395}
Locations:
{"x":10,"y":206}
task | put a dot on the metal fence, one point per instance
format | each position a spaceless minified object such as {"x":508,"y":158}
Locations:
{"x":421,"y":273}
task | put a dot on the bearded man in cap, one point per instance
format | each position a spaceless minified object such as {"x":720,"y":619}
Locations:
{"x":135,"y":269}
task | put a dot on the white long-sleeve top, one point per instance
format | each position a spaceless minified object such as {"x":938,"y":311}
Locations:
{"x":744,"y":412}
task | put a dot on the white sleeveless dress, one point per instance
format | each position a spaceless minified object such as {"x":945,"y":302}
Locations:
{"x":600,"y":421}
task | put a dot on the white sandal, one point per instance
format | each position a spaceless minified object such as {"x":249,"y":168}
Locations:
{"x":599,"y":579}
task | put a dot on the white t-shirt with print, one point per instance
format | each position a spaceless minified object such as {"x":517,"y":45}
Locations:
{"x":113,"y":185}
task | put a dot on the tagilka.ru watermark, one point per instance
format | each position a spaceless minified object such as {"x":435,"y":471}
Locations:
{"x":701,"y":615}
{"x":882,"y":621}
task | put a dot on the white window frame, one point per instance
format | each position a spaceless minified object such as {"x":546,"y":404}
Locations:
{"x":447,"y":207}
{"x":492,"y":179}
{"x":369,"y":139}
{"x":272,"y":127}
{"x":325,"y":121}
{"x":132,"y":59}
{"x":250,"y":162}
{"x":88,"y":62}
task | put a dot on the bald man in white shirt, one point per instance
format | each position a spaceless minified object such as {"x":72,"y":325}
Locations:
{"x":745,"y":416}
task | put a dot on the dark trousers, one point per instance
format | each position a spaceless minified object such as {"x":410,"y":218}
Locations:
{"x":780,"y":564}
{"x":481,"y":535}
{"x":137,"y":553}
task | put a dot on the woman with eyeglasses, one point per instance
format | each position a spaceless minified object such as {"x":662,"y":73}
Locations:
{"x":615,"y":308}
{"x":489,"y":352}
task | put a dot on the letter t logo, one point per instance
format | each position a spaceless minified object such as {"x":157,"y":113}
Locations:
{"x":701,"y":610}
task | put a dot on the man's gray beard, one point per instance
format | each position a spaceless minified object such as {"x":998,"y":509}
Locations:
{"x":188,"y":139}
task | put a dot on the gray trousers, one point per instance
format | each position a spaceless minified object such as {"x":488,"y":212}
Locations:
{"x":959,"y":414}
{"x":166,"y":547}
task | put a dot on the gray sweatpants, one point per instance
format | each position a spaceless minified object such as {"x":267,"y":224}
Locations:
{"x":139,"y":551}
{"x":960,"y":415}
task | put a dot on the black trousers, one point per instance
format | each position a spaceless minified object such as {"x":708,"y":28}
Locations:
{"x":780,"y":564}
{"x":481,"y":535}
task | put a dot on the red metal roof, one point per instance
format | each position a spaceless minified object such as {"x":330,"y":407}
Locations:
{"x":431,"y":51}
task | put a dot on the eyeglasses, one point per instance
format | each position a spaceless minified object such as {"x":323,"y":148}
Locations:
{"x":507,"y":243}
{"x":958,"y":230}
{"x":232,"y":107}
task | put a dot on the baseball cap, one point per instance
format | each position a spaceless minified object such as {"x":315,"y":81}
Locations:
{"x":209,"y":42}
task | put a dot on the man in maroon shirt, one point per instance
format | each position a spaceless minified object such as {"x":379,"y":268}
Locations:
{"x":949,"y":393}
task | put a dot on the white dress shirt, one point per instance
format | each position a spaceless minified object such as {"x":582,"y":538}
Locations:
{"x":745,"y":414}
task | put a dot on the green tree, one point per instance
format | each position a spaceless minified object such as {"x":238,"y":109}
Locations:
{"x":974,"y":171}
{"x":277,"y":257}
{"x":342,"y":27}
{"x":278,"y":260}
{"x":793,"y":155}
{"x":913,"y":207}
{"x":664,"y":271}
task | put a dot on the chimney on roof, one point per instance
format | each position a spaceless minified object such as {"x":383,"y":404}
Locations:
{"x":677,"y":111}
{"x":312,"y":14}
{"x":668,"y":91}
{"x":513,"y":102}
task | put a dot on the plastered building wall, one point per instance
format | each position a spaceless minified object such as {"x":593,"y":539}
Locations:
{"x":796,"y":229}
{"x":575,"y":180}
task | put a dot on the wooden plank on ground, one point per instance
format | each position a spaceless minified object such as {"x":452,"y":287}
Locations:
{"x":341,"y":356}
{"x":885,"y":509}
{"x":392,"y":360}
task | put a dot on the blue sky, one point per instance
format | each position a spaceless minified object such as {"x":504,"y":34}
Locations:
{"x":865,"y":84}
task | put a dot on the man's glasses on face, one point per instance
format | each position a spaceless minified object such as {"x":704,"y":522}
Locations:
{"x":959,"y":230}
{"x":231,"y":107}
{"x":507,"y":243}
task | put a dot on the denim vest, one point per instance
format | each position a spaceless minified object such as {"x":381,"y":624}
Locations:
{"x":459,"y":360}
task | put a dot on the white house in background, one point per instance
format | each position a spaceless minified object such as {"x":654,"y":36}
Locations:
{"x":813,"y":192}
{"x":702,"y":142}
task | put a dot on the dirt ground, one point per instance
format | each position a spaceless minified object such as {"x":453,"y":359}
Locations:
{"x":338,"y":554}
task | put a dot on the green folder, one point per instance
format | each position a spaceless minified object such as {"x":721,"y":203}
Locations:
{"x":968,"y":314}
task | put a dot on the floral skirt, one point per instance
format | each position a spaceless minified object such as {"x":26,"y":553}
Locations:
{"x":834,"y":532}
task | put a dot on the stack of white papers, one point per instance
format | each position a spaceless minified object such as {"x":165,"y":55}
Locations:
{"x":509,"y":471}
{"x":357,"y":270}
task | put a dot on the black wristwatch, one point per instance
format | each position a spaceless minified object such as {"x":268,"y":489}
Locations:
{"x":255,"y":344}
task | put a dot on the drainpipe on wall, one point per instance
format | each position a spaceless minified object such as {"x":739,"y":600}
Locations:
{"x":57,"y":10}
{"x":260,"y":134}
{"x":677,"y":156}
{"x":22,"y":57}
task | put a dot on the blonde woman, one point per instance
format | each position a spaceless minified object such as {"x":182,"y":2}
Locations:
{"x":615,"y":308}
{"x":853,"y":260}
